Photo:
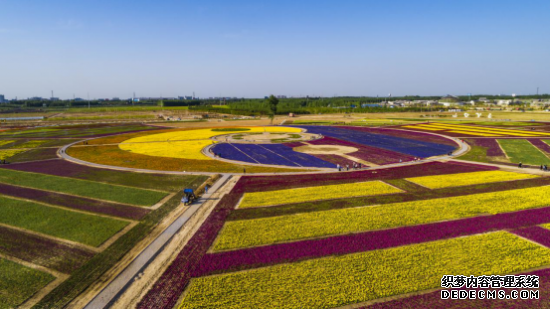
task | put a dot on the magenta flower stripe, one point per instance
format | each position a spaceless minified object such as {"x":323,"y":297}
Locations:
{"x":80,"y":203}
{"x":345,"y":244}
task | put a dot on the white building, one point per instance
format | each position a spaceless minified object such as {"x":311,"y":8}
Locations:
{"x":504,"y":102}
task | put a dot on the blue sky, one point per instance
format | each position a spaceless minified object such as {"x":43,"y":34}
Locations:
{"x":254,"y":48}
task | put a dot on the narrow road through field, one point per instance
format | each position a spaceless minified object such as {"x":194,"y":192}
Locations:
{"x":115,"y":288}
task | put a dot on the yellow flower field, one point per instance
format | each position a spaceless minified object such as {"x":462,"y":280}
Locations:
{"x":475,"y":130}
{"x":298,"y":195}
{"x":4,"y":142}
{"x":31,"y":144}
{"x":349,"y":279}
{"x":465,"y":179}
{"x":5,"y":154}
{"x":265,"y":231}
{"x":185,"y":144}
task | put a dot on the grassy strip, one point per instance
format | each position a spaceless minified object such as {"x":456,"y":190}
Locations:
{"x":101,"y":262}
{"x":252,"y":213}
{"x":18,"y":283}
{"x":269,"y":198}
{"x":138,"y":180}
{"x":465,"y":179}
{"x":84,"y":188}
{"x":87,"y":229}
{"x":75,"y":202}
{"x":476,"y":153}
{"x":265,"y":231}
{"x":341,"y":280}
{"x":520,"y":150}
{"x":42,"y":251}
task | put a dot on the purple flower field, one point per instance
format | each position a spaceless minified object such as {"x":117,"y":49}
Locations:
{"x":420,"y":136}
{"x":493,"y":149}
{"x":540,"y":145}
{"x":370,"y":154}
{"x":402,"y":145}
{"x":345,"y":244}
{"x":535,"y":233}
{"x":265,"y":183}
{"x":273,"y":154}
{"x":166,"y":291}
{"x":42,"y":251}
{"x":80,"y":203}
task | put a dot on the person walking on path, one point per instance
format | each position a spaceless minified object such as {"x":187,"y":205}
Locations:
{"x":338,"y":167}
{"x":244,"y":170}
{"x":347,"y":167}
{"x":520,"y":165}
{"x":206,"y":189}
{"x":541,"y":167}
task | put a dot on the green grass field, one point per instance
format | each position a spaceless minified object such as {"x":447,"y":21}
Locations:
{"x":84,"y":228}
{"x":18,"y":283}
{"x":84,"y":188}
{"x":520,"y":150}
{"x":147,"y":181}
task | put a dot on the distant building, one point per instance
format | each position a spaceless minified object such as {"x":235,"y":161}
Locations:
{"x":2,"y":98}
{"x":504,"y":102}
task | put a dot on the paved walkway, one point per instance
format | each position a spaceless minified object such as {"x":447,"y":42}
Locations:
{"x":115,"y":288}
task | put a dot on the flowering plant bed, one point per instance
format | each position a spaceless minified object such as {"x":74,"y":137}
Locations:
{"x":269,"y":198}
{"x":464,"y":179}
{"x":402,"y":145}
{"x":340,"y":280}
{"x":265,"y":231}
{"x":42,"y":251}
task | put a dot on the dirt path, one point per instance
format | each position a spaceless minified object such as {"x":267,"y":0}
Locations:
{"x":115,"y":288}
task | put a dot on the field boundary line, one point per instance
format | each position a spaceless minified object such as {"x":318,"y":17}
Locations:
{"x":73,"y":195}
{"x":36,"y":297}
{"x":164,"y":200}
{"x":118,"y":285}
{"x":85,"y":180}
{"x":67,"y":208}
{"x":117,"y":235}
{"x":67,"y":242}
{"x":537,"y":148}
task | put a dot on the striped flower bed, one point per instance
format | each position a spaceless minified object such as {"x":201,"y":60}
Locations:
{"x":264,"y":183}
{"x":74,"y":202}
{"x":228,"y":261}
{"x":493,"y":148}
{"x":42,"y":251}
{"x":402,"y":145}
